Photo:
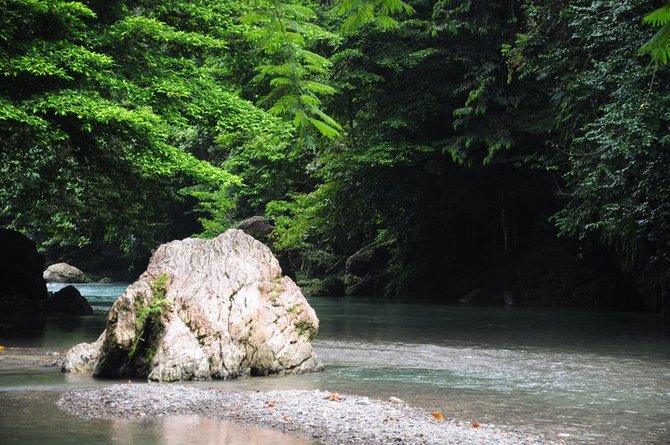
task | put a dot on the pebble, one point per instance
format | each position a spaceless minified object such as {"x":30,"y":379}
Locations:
{"x":313,"y":414}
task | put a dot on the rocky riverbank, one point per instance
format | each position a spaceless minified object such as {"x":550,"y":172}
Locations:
{"x":329,"y":418}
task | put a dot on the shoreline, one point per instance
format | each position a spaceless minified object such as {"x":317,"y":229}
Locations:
{"x":329,"y":418}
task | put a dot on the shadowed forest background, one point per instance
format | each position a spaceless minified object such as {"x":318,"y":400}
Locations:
{"x":431,"y":150}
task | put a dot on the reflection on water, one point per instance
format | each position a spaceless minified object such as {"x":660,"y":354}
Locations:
{"x":30,"y":418}
{"x":191,"y":430}
{"x":583,"y":377}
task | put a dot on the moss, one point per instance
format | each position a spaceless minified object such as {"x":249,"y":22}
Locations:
{"x":306,"y":328}
{"x":148,"y":321}
{"x":274,"y":294}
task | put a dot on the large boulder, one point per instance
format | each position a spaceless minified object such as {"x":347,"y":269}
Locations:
{"x":65,"y":273}
{"x":205,"y":309}
{"x":23,"y":289}
{"x":68,"y":301}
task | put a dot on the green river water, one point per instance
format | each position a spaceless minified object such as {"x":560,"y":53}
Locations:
{"x":574,"y":376}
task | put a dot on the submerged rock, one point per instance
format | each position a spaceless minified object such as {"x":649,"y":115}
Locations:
{"x":68,"y":301}
{"x":65,"y":273}
{"x":203,"y":309}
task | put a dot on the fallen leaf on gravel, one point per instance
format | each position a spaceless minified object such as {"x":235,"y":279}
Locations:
{"x":334,"y":397}
{"x":475,"y":425}
{"x":438,"y":415}
{"x":270,"y":404}
{"x":2,"y":348}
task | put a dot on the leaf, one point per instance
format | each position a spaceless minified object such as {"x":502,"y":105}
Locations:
{"x":658,"y":47}
{"x":323,"y":128}
{"x":334,"y":397}
{"x":438,"y":415}
{"x":475,"y":425}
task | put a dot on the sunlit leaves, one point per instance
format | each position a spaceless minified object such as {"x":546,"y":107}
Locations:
{"x":658,"y":47}
{"x":360,"y":12}
{"x":93,"y":101}
{"x":148,"y":29}
{"x":68,"y":16}
{"x":659,"y":17}
{"x":295,"y":74}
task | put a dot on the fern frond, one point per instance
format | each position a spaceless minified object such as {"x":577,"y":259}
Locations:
{"x":324,"y":128}
{"x":313,"y":58}
{"x":388,"y":7}
{"x":361,"y":12}
{"x":386,"y":22}
{"x":658,"y":47}
{"x":318,"y":87}
{"x":284,"y":32}
{"x":329,"y":120}
{"x":310,"y":102}
{"x":281,"y":81}
{"x":297,"y":12}
{"x":659,"y":17}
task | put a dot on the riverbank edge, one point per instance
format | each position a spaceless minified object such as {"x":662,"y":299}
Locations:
{"x":322,"y":416}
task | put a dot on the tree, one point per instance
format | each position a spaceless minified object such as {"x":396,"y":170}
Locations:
{"x":101,"y":94}
{"x":611,"y":124}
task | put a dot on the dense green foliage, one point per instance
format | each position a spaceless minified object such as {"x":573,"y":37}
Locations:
{"x":96,"y":100}
{"x":448,"y":139}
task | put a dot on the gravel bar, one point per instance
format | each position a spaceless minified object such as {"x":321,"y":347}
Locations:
{"x":329,"y":418}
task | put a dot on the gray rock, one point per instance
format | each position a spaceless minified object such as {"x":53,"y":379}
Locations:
{"x":64,"y":273}
{"x":366,"y":271}
{"x":69,"y":301}
{"x":258,"y":227}
{"x":206,"y":309}
{"x":83,"y":357}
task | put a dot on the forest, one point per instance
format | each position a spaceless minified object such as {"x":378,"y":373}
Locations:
{"x":423,"y":150}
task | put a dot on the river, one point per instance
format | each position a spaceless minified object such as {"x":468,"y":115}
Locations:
{"x":576,"y":376}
